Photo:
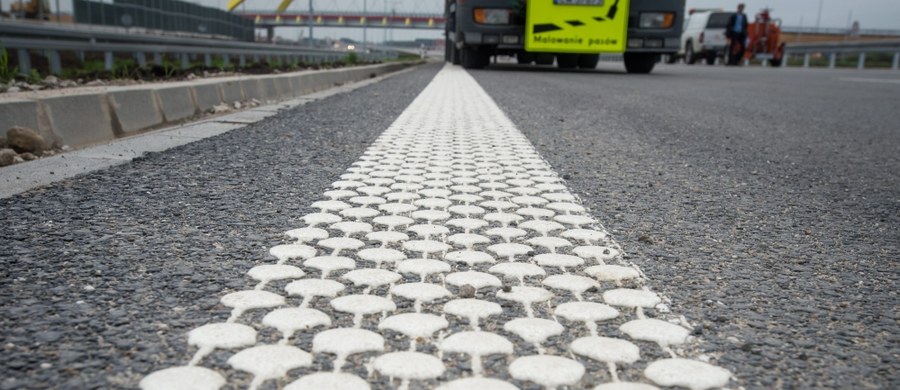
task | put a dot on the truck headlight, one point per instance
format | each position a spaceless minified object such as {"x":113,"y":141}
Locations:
{"x":491,"y":16}
{"x":656,"y":20}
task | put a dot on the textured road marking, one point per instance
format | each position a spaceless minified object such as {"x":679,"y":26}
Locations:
{"x":450,"y":255}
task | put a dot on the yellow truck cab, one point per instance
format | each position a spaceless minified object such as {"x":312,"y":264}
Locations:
{"x":573,"y":33}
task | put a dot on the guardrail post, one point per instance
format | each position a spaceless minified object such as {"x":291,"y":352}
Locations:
{"x":862,"y":61}
{"x":141,"y":59}
{"x":806,"y":60}
{"x":242,"y":61}
{"x":24,"y":62}
{"x":185,"y":61}
{"x":55,"y":64}
{"x":832,"y":60}
{"x":896,"y":64}
{"x":226,"y":59}
{"x":157,"y":59}
{"x":255,"y":58}
{"x":207,"y":60}
{"x":108,"y":60}
{"x":785,"y":57}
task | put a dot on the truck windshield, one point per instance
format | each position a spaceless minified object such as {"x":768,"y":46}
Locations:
{"x":718,"y":20}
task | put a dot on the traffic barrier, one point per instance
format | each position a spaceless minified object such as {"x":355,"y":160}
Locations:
{"x":81,"y":119}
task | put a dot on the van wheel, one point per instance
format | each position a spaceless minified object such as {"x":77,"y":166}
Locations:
{"x":588,"y":61}
{"x":567,"y":61}
{"x":689,"y":57}
{"x":640,"y":63}
{"x":474,"y":57}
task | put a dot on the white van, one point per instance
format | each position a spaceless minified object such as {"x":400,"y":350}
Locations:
{"x":704,"y":36}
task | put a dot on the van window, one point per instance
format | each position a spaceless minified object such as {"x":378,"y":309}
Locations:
{"x":718,"y":20}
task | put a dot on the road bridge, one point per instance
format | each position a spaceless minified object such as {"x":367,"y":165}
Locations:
{"x":346,"y":19}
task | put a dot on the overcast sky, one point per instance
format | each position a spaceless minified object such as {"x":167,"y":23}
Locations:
{"x":879,"y":14}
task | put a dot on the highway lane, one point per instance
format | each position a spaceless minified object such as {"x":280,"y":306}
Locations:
{"x":103,"y":275}
{"x":764,"y":202}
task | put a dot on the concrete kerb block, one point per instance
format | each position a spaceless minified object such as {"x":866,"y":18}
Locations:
{"x":268,"y":89}
{"x":80,"y":120}
{"x":207,"y":96}
{"x":251,"y":89}
{"x":285,"y":86}
{"x":176,"y":103}
{"x":302,"y":84}
{"x":232,"y":92}
{"x":134,"y":110}
{"x":26,"y":113}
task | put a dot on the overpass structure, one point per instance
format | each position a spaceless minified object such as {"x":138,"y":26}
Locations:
{"x":345,"y":19}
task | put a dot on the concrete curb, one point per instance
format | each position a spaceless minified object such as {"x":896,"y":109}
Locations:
{"x":85,"y":118}
{"x":19,"y":178}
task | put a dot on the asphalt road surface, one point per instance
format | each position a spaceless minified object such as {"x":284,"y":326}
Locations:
{"x":762,"y":204}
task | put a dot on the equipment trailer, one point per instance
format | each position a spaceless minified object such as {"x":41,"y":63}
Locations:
{"x":572,"y":32}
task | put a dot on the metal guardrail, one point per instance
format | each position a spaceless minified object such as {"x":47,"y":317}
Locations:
{"x":833,"y":49}
{"x":840,"y":31}
{"x":51,"y":39}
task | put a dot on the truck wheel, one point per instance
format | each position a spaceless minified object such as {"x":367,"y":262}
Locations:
{"x":567,"y":61}
{"x":448,"y":52}
{"x":524,"y":58}
{"x":711,"y":60}
{"x":474,"y":58}
{"x":640,"y":63}
{"x":543,"y":59}
{"x":689,"y":57}
{"x":588,"y":61}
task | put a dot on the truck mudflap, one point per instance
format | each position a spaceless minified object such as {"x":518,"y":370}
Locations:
{"x":576,"y":26}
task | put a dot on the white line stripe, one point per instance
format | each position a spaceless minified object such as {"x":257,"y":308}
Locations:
{"x":870,"y":80}
{"x":475,"y":250}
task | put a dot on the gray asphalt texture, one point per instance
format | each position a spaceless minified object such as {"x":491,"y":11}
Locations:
{"x":161,"y":239}
{"x":764,"y":202}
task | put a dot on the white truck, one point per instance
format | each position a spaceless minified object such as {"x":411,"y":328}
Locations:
{"x":704,"y":36}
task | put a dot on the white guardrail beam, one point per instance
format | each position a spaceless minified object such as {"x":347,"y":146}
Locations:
{"x":833,"y":49}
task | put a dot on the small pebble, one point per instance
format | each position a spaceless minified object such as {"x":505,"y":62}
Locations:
{"x":467,"y":291}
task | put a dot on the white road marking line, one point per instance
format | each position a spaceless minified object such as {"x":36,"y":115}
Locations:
{"x":870,"y":80}
{"x":463,"y":217}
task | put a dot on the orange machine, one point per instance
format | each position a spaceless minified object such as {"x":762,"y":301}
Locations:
{"x":764,"y":39}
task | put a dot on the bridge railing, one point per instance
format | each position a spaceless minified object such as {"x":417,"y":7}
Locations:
{"x":49,"y":40}
{"x":840,"y":31}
